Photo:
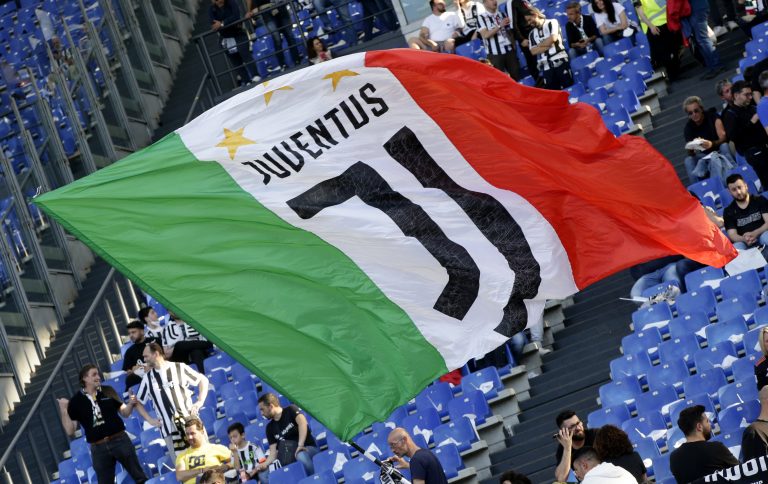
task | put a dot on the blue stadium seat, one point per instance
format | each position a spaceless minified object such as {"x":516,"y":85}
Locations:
{"x":654,"y":401}
{"x":631,"y":365}
{"x":461,"y":433}
{"x":152,"y":454}
{"x":608,"y":415}
{"x":675,"y":438}
{"x":256,"y":433}
{"x":165,"y":464}
{"x":576,"y":91}
{"x":435,"y":396}
{"x":324,"y":477}
{"x":647,"y":448}
{"x":760,"y":30}
{"x":358,"y":470}
{"x":651,"y":314}
{"x":661,"y":470}
{"x":722,"y":355}
{"x":639,"y":67}
{"x":633,"y":82}
{"x":708,"y":382}
{"x":227,"y":391}
{"x":164,"y":479}
{"x":584,"y":60}
{"x":645,"y":426}
{"x":638,"y":342}
{"x":289,"y":474}
{"x":725,"y":198}
{"x":241,"y":374}
{"x":79,"y":445}
{"x":374,"y":443}
{"x":738,"y":416}
{"x":761,"y":316}
{"x":745,"y":283}
{"x":732,"y":440}
{"x":605,"y":81}
{"x":680,"y":405}
{"x":735,"y":306}
{"x":736,"y":393}
{"x":221,"y":425}
{"x":335,"y":444}
{"x":596,"y":97}
{"x":672,"y":373}
{"x":471,"y":405}
{"x":329,"y":460}
{"x":711,"y":185}
{"x":697,"y":300}
{"x":480,"y":380}
{"x":732,"y":330}
{"x":617,"y":49}
{"x":217,"y":378}
{"x":620,"y":390}
{"x":219,"y":360}
{"x":420,"y":421}
{"x":679,"y":349}
{"x":401,"y":412}
{"x":744,"y":369}
{"x":689,"y":324}
{"x":248,"y":403}
{"x":67,"y":467}
{"x":450,"y":459}
{"x":628,"y":100}
{"x":751,"y":341}
{"x":134,"y":428}
{"x":208,"y":415}
{"x":696,"y":278}
{"x":151,"y":436}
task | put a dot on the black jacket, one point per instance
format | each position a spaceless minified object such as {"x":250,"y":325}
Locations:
{"x":517,"y":10}
{"x":741,"y":130}
{"x":572,"y":30}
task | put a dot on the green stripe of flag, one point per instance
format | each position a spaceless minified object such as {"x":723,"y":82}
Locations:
{"x":290,"y":307}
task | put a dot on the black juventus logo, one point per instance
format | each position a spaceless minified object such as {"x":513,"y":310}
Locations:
{"x":490,"y":217}
{"x":196,"y":461}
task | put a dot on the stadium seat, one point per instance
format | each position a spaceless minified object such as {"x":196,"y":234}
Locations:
{"x":743,"y":369}
{"x":761,"y":316}
{"x":696,"y":300}
{"x":738,"y":416}
{"x":698,"y":277}
{"x":256,"y":432}
{"x":605,"y":81}
{"x":450,"y":459}
{"x":735,"y":394}
{"x":79,"y":445}
{"x":732,"y":330}
{"x":435,"y":396}
{"x":751,"y":341}
{"x":648,"y":425}
{"x":134,"y":429}
{"x":486,"y":380}
{"x":618,"y":48}
{"x":217,"y":378}
{"x":423,"y":423}
{"x":661,"y":470}
{"x":360,"y":469}
{"x":675,"y":438}
{"x":711,"y":186}
{"x":208,"y":416}
{"x":67,"y":467}
{"x":246,"y":403}
{"x":672,"y":373}
{"x":680,"y":405}
{"x":656,"y":400}
{"x":164,"y":479}
{"x":745,"y":283}
{"x":708,"y":382}
{"x":584,"y":60}
{"x":647,"y":448}
{"x":152,"y":454}
{"x":644,"y":340}
{"x":651,"y":314}
{"x":221,"y":425}
{"x":609,"y":64}
{"x":620,"y":391}
{"x":608,"y":415}
{"x":461,"y":433}
{"x":332,"y":461}
{"x":619,"y":118}
{"x":679,"y":349}
{"x":227,"y":391}
{"x":633,"y":82}
{"x":759,"y":31}
{"x":471,"y":405}
{"x":165,"y":464}
{"x":374,"y":443}
{"x":324,"y":477}
{"x":219,"y":360}
{"x":289,"y":474}
{"x":151,"y":436}
{"x":735,"y":306}
{"x":631,"y":365}
{"x":241,"y":374}
{"x":722,"y":355}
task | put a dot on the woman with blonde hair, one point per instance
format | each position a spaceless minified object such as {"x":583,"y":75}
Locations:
{"x":761,"y":366}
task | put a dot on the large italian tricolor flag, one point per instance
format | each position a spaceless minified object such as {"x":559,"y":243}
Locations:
{"x":353,"y":230}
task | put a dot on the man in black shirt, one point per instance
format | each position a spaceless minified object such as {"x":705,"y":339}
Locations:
{"x":581,"y":32}
{"x":133,"y":360}
{"x":743,"y":127}
{"x":288,"y":435}
{"x":517,"y":10}
{"x":707,"y":129}
{"x":571,"y":436}
{"x":746,"y":218}
{"x":697,"y":457}
{"x":424,"y":466}
{"x":754,"y":440}
{"x":234,"y":40}
{"x":96,"y":409}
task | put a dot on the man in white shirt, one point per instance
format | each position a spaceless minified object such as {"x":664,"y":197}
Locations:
{"x":439,"y":31}
{"x":546,"y":42}
{"x":589,"y":469}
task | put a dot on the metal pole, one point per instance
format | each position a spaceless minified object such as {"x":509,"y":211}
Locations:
{"x":23,"y":468}
{"x":121,"y":302}
{"x":40,"y":465}
{"x":113,"y":324}
{"x":54,"y":374}
{"x":48,"y":437}
{"x":103,"y":341}
{"x":132,"y":293}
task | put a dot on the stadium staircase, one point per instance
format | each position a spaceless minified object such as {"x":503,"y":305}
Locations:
{"x":595,"y":324}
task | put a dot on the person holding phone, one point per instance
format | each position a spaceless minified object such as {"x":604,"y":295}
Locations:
{"x":572,"y":435}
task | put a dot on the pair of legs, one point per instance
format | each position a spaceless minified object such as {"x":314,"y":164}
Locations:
{"x":559,"y":77}
{"x":665,"y":50}
{"x":192,"y":352}
{"x":697,"y":26}
{"x":120,"y":450}
{"x":381,"y":9}
{"x":699,"y":168}
{"x":238,"y":56}
{"x":667,"y":273}
{"x":342,"y":8}
{"x":761,"y":241}
{"x":596,"y":45}
{"x":421,"y":43}
{"x":506,"y":63}
{"x":277,"y":24}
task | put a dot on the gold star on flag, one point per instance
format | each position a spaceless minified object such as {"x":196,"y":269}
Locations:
{"x":335,"y":77}
{"x":268,"y":94}
{"x":234,"y":140}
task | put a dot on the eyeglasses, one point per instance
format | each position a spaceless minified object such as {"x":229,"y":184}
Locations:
{"x":694,"y":111}
{"x":395,"y":443}
{"x":574,"y":426}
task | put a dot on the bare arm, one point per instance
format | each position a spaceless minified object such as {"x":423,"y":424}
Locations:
{"x":644,"y":18}
{"x":424,"y":33}
{"x":146,"y":416}
{"x":202,"y":389}
{"x":270,"y":458}
{"x":543,"y":46}
{"x":301,"y":422}
{"x":70,"y":427}
{"x":564,"y":467}
{"x":734,"y":236}
{"x":184,"y":475}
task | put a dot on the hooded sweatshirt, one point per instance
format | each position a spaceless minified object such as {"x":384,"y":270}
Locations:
{"x":606,"y":473}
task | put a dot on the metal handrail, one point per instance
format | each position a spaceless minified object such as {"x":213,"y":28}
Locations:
{"x":54,"y":374}
{"x":198,"y":93}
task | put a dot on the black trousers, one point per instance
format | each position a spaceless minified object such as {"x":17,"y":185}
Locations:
{"x":192,"y":352}
{"x":665,"y":49}
{"x":506,"y":63}
{"x":559,"y":77}
{"x":120,"y":450}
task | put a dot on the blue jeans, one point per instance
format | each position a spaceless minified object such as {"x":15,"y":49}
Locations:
{"x":665,"y":274}
{"x":699,"y":169}
{"x":696,"y":25}
{"x":104,"y":457}
{"x":596,"y":45}
{"x":342,"y":8}
{"x":762,"y":240}
{"x":305,"y":457}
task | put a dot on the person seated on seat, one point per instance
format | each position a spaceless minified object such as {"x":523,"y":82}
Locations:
{"x":212,"y":477}
{"x":439,"y":31}
{"x":754,"y":440}
{"x":152,"y":326}
{"x":613,"y":446}
{"x":571,"y":436}
{"x":184,"y":344}
{"x":707,"y":129}
{"x":581,"y":32}
{"x":245,"y":455}
{"x":317,"y":51}
{"x":469,"y":12}
{"x":133,"y":361}
{"x":746,"y":218}
{"x":546,"y":42}
{"x":201,"y":455}
{"x":761,"y":365}
{"x":611,"y":19}
{"x":654,"y":272}
{"x":743,"y":127}
{"x":589,"y":469}
{"x":697,"y":457}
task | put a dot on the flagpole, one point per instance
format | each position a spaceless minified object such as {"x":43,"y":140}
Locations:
{"x":395,"y":472}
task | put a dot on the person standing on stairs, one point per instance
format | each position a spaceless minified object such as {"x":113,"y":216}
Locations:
{"x":572,"y":435}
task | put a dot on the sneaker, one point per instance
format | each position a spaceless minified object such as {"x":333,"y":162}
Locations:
{"x":732,"y":25}
{"x":544,"y":351}
{"x":256,"y":79}
{"x":720,"y":31}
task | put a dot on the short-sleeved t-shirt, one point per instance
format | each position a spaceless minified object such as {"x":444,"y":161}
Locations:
{"x":601,"y":18}
{"x":134,"y":355}
{"x":706,"y":130}
{"x":754,"y":441}
{"x":96,"y":427}
{"x":424,"y":465}
{"x":694,"y":460}
{"x":745,"y":219}
{"x":441,"y":27}
{"x":206,"y":455}
{"x":762,"y":111}
{"x":287,"y":429}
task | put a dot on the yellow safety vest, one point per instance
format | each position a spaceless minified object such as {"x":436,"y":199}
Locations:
{"x":656,"y":11}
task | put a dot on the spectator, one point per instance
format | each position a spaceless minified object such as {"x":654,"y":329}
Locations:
{"x":276,"y":20}
{"x":746,"y":218}
{"x":288,"y":434}
{"x":133,"y":360}
{"x":697,"y":457}
{"x":381,"y":9}
{"x":742,"y":125}
{"x":610,"y":18}
{"x":245,"y":456}
{"x":723,"y":89}
{"x":212,"y":477}
{"x":754,"y":441}
{"x":153,"y":328}
{"x":652,"y":273}
{"x":664,"y":43}
{"x":424,"y":466}
{"x":761,"y":366}
{"x":762,"y":106}
{"x":201,"y":456}
{"x":613,"y":446}
{"x":752,"y":78}
{"x":348,"y":34}
{"x":707,"y":129}
{"x":494,"y":29}
{"x":222,"y":14}
{"x":168,"y":385}
{"x":697,"y":25}
{"x":512,"y":477}
{"x":183,"y":344}
{"x":581,"y":32}
{"x":439,"y":31}
{"x":317,"y":51}
{"x":469,"y":12}
{"x":546,"y":42}
{"x":571,"y":436}
{"x":96,"y":407}
{"x":518,"y":22}
{"x":589,"y":469}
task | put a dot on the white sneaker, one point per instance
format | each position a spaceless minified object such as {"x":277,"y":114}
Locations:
{"x":720,"y":31}
{"x":732,"y":25}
